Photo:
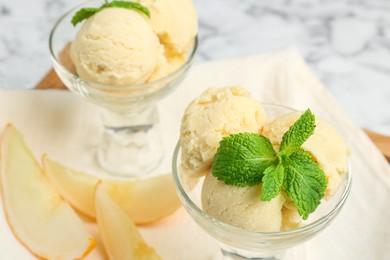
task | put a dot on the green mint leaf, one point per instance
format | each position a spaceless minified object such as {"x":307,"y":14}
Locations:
{"x":129,"y":5}
{"x":298,"y":133}
{"x":305,"y":182}
{"x":83,"y":14}
{"x":87,"y":12}
{"x":273,"y":180}
{"x":242,"y":158}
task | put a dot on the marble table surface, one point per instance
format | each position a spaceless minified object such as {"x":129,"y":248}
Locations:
{"x":346,"y":43}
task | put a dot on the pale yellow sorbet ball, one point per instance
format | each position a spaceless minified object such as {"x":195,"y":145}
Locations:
{"x":326,"y":145}
{"x":216,"y":113}
{"x":241,"y":206}
{"x":116,"y":46}
{"x":175,"y":22}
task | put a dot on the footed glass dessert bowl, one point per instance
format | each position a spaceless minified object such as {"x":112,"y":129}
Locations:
{"x":238,"y":243}
{"x":130,"y":145}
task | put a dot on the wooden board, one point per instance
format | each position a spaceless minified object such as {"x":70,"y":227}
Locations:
{"x":51,"y":81}
{"x":381,"y":141}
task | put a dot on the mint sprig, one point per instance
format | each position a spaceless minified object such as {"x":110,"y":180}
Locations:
{"x":305,"y":182}
{"x":298,"y":133}
{"x":272,"y":181}
{"x":247,"y":159}
{"x":85,"y":13}
{"x":243,"y":158}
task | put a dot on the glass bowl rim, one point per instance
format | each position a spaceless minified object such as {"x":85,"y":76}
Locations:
{"x":301,"y":230}
{"x":95,"y":85}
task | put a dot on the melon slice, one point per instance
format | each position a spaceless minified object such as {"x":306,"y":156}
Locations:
{"x":39,"y":218}
{"x":144,"y":200}
{"x":119,"y":234}
{"x":78,"y":188}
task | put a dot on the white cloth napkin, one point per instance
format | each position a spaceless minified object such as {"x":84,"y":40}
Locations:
{"x":61,"y":124}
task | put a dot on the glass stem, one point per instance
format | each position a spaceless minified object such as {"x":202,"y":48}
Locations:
{"x":131,"y":144}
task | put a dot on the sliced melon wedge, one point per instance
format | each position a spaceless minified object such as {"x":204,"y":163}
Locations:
{"x":78,"y":188}
{"x":120,"y":236}
{"x":144,"y":200}
{"x":39,"y":218}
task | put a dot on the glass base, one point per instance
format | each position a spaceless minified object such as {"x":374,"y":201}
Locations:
{"x":131,"y":145}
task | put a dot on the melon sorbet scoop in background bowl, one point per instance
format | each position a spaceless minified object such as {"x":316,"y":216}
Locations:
{"x":246,"y":226}
{"x":124,"y":60}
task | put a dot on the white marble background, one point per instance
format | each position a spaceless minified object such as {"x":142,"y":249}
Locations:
{"x":346,"y":42}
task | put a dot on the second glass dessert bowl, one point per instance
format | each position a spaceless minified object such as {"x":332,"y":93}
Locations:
{"x":237,"y":243}
{"x":131,"y":144}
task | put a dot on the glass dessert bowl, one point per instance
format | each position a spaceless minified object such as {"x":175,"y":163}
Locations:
{"x":238,"y":243}
{"x":131,"y":144}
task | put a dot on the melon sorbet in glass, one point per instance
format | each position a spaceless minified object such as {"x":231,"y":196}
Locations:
{"x":219,"y":112}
